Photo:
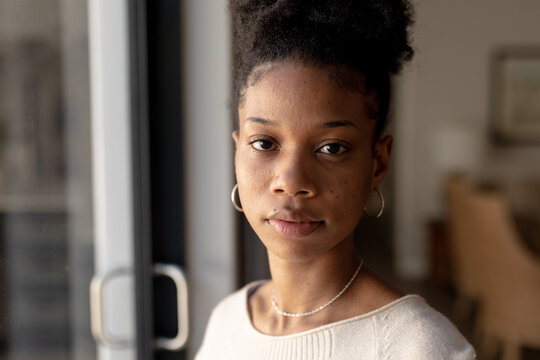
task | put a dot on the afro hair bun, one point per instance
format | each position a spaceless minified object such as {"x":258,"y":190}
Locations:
{"x":370,"y":36}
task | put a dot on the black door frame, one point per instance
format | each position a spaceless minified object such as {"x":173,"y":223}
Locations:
{"x":155,"y":49}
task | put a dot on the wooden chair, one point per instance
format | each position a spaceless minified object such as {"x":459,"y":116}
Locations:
{"x":510,"y":290}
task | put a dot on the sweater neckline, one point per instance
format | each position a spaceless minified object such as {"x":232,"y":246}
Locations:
{"x":244,"y":296}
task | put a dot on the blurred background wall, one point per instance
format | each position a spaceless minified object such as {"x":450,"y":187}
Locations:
{"x":442,"y":114}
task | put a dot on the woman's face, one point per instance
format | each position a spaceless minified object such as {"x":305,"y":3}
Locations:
{"x":305,"y":159}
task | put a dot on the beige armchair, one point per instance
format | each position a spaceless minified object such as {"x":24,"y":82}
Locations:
{"x":509,"y":290}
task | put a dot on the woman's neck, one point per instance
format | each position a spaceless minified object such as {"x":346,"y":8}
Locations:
{"x":303,"y":286}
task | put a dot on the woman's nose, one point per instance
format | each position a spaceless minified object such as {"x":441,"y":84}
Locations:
{"x":294,"y":176}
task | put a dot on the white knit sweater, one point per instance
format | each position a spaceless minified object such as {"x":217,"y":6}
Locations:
{"x":407,"y":328}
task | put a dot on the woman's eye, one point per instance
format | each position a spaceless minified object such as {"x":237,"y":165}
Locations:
{"x":263,"y":145}
{"x":333,"y":149}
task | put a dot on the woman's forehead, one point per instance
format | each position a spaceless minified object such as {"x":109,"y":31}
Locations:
{"x":296,"y":91}
{"x":299,"y":103}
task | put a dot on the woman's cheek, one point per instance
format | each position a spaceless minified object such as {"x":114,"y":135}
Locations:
{"x":348,"y":196}
{"x":251,"y":180}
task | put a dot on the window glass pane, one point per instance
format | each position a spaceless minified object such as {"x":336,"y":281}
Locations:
{"x":46,"y":232}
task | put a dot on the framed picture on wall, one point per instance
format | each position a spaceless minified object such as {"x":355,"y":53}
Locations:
{"x":515,"y":105}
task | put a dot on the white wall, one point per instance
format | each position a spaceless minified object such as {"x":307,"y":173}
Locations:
{"x":442,"y":112}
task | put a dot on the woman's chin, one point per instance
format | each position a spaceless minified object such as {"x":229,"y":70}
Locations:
{"x":295,"y":249}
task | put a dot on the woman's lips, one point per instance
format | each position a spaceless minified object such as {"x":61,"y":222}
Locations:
{"x":294,"y":228}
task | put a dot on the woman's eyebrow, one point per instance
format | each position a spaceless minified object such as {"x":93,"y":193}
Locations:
{"x":261,"y":121}
{"x":334,"y":124}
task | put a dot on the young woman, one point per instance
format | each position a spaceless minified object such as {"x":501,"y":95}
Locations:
{"x":312,"y":91}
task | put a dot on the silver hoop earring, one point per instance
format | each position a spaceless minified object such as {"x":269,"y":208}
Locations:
{"x":233,"y":198}
{"x":382,"y":206}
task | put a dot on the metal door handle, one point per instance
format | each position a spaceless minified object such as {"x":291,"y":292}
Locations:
{"x":99,"y":330}
{"x":177,"y":276}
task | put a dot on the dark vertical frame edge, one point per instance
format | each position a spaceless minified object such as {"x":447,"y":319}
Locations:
{"x":494,"y":96}
{"x":141,"y":179}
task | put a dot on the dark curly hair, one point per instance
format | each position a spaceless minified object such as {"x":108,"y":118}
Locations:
{"x":366,"y":36}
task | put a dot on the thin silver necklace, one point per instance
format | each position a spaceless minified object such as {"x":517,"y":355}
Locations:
{"x":288,"y":314}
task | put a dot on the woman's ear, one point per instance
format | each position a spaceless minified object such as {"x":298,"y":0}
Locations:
{"x":235,"y":138}
{"x":382,"y":149}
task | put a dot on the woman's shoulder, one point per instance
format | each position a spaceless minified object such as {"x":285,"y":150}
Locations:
{"x":228,"y":319}
{"x":233,"y":306}
{"x":415,"y":330}
{"x":413,"y":312}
